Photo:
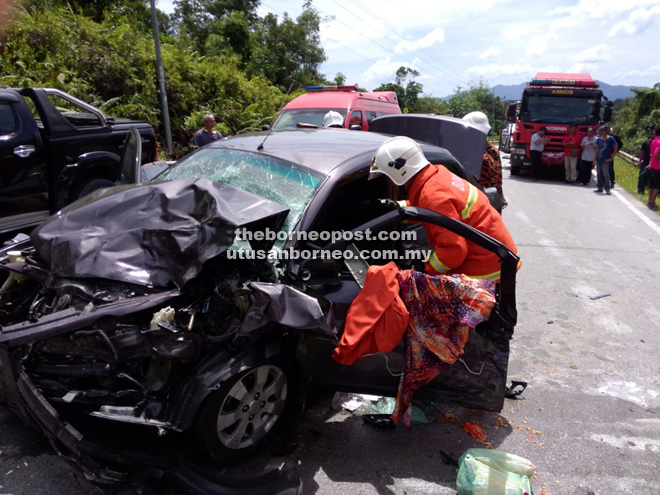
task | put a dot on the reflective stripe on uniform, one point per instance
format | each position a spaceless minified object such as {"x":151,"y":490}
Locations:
{"x":438,"y":265}
{"x":470,"y":202}
{"x":495,"y":276}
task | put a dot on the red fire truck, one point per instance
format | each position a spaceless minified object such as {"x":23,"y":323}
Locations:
{"x":556,"y":101}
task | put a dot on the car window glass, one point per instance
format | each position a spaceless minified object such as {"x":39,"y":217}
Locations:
{"x":289,"y":119}
{"x":353,"y":204}
{"x":283,"y":182}
{"x":356,"y":118}
{"x":77,"y":116}
{"x":7,"y":121}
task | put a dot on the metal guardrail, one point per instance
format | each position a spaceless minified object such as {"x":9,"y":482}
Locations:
{"x":629,"y":158}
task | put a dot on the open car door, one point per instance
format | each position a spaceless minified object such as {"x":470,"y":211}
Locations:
{"x":129,"y":173}
{"x":464,"y":140}
{"x":480,"y":380}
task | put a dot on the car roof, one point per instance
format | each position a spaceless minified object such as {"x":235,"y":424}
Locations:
{"x":336,"y":99}
{"x":321,"y":150}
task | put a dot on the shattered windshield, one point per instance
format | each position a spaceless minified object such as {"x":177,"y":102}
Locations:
{"x":283,"y":182}
{"x":559,"y":110}
{"x":289,"y":119}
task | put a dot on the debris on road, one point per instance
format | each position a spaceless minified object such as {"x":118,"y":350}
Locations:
{"x":515,"y":389}
{"x":600,"y":296}
{"x":489,"y":472}
{"x":475,"y":431}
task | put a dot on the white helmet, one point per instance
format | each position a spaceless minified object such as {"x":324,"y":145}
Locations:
{"x":333,"y":119}
{"x":480,"y":119}
{"x":400,"y":158}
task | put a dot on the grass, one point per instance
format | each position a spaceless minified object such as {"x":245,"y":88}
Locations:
{"x":626,"y":177}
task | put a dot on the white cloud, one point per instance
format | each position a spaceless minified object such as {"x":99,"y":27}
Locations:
{"x":492,"y":52}
{"x":653,"y":71}
{"x":435,"y":36}
{"x":637,"y":22}
{"x":517,"y":31}
{"x":581,"y":68}
{"x":537,"y":45}
{"x":493,"y":71}
{"x":385,"y":69}
{"x":597,"y":53}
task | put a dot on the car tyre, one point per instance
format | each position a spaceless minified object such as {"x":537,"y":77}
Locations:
{"x":93,"y":185}
{"x":244,"y":414}
{"x":515,"y":169}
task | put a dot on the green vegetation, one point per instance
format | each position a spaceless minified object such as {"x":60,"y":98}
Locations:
{"x":635,"y":117}
{"x":219,"y":57}
{"x":626,"y":177}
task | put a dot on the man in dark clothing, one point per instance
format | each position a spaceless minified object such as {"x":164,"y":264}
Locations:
{"x":607,"y":149}
{"x":644,"y":160}
{"x":207,"y":134}
{"x":619,"y":144}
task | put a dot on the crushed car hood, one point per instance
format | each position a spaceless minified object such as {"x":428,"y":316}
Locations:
{"x":152,"y":234}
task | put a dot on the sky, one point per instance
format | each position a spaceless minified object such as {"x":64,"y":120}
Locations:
{"x":461,"y":42}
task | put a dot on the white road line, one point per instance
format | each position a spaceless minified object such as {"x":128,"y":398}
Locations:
{"x":630,"y":206}
{"x":643,"y":217}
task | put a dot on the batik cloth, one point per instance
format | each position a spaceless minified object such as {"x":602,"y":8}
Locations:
{"x":442,"y":310}
{"x":491,"y":169}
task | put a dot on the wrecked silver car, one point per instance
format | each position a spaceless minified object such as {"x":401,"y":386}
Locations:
{"x":127,"y":321}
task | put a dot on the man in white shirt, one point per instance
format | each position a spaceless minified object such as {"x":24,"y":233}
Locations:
{"x":589,"y":147}
{"x":536,"y":146}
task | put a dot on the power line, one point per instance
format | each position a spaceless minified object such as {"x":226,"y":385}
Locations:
{"x":395,"y":30}
{"x":350,"y":50}
{"x":377,"y":43}
{"x":332,"y":17}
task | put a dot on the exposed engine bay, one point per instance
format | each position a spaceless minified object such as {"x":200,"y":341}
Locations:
{"x":125,"y":367}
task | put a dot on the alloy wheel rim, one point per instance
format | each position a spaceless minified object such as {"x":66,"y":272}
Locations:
{"x":252,"y":407}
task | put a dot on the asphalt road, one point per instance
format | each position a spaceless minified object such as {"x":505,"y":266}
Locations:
{"x":587,"y":342}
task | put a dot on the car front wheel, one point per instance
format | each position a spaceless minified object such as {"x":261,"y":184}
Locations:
{"x":248,"y":409}
{"x":93,"y":185}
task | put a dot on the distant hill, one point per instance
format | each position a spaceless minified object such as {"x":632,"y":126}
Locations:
{"x":514,"y":91}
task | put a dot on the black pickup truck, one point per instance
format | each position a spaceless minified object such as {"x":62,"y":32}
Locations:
{"x":55,"y":148}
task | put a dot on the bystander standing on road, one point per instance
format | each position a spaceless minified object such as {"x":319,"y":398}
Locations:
{"x":207,"y":134}
{"x":571,"y":143}
{"x":644,"y":160}
{"x":654,"y":170}
{"x":619,"y":144}
{"x":589,"y":147}
{"x":607,"y":149}
{"x":536,"y":147}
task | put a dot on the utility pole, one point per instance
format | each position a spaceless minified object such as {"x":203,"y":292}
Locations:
{"x":161,"y":79}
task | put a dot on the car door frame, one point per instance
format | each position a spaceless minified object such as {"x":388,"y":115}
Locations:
{"x":489,"y":345}
{"x":25,"y":139}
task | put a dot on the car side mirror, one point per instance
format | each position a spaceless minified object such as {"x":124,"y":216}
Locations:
{"x":319,"y":271}
{"x":511,"y":112}
{"x":355,"y":127}
{"x":607,"y":115}
{"x":265,"y":127}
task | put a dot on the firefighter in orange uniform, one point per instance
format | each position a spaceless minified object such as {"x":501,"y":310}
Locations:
{"x":437,"y":189}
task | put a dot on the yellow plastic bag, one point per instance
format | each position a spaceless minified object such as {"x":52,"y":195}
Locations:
{"x":489,"y":472}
